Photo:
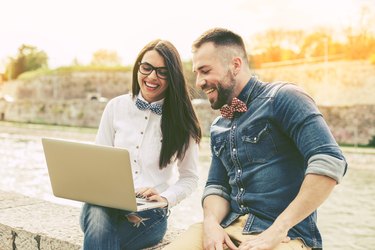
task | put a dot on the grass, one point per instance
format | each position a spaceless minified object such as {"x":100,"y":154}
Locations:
{"x":28,"y":75}
{"x":48,"y":127}
{"x":359,"y":150}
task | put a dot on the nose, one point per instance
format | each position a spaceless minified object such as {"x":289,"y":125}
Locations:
{"x":199,"y":82}
{"x":153,"y":74}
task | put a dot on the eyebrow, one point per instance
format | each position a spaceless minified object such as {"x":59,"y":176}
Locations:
{"x":200,"y":68}
{"x":162,"y":67}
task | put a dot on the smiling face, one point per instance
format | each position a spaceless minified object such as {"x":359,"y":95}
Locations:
{"x":214,"y":75}
{"x":152,"y":87}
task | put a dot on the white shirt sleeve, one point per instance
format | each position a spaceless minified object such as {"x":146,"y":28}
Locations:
{"x":106,"y":132}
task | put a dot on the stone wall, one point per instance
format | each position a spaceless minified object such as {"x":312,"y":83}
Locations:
{"x":349,"y":124}
{"x":341,"y":83}
{"x":343,"y":90}
{"x":32,"y":224}
{"x":68,"y":86}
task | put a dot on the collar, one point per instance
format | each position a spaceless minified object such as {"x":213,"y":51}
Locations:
{"x":160,"y":102}
{"x":247,"y":90}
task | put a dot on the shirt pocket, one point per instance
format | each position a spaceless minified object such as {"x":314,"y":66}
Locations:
{"x":258,"y":141}
{"x":219,"y":148}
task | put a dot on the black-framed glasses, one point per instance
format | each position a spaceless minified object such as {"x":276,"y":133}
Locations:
{"x":146,"y":69}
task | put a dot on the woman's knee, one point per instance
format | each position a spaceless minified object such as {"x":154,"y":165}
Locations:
{"x":95,"y":218}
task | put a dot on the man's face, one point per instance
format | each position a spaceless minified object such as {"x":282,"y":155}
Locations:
{"x":214,"y":75}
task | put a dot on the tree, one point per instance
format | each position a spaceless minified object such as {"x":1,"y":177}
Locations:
{"x":360,"y":39}
{"x":107,"y":58}
{"x":275,"y":45}
{"x":29,"y":58}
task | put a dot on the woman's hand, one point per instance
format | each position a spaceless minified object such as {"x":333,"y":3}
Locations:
{"x":149,"y":194}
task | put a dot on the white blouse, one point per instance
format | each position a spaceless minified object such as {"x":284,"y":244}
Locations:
{"x":124,"y":125}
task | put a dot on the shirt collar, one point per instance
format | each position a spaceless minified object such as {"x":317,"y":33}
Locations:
{"x":160,"y":102}
{"x":247,"y":90}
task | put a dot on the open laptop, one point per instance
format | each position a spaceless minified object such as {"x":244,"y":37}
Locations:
{"x":94,"y":174}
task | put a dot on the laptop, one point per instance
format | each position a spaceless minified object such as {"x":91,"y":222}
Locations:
{"x":94,"y":174}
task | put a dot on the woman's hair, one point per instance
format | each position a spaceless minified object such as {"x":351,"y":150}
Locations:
{"x":179,"y":121}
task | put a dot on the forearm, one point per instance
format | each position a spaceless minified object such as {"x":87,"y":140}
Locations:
{"x":215,"y":208}
{"x":314,"y":191}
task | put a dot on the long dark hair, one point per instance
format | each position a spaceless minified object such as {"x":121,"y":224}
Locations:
{"x":179,"y":121}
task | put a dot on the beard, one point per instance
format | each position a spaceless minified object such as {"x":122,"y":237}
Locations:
{"x":224,"y":93}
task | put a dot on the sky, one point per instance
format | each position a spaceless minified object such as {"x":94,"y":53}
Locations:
{"x":75,"y":29}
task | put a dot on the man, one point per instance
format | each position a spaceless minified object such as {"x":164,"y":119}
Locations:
{"x":274,"y":159}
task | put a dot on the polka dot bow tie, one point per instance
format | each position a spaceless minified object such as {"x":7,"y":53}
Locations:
{"x":237,"y":105}
{"x":155,"y":108}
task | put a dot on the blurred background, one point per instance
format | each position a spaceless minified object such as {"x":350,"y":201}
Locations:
{"x":61,"y":61}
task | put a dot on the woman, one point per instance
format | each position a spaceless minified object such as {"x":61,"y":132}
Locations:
{"x":159,"y":127}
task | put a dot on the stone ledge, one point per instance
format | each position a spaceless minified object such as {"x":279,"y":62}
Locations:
{"x":32,"y":224}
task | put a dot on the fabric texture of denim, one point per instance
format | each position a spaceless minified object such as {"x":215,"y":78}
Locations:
{"x":109,"y":228}
{"x":260,"y":158}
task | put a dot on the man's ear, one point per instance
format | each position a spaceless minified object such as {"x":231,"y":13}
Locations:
{"x":237,"y":64}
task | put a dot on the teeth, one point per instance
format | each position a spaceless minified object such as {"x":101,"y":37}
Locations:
{"x":151,"y":85}
{"x":209,"y":91}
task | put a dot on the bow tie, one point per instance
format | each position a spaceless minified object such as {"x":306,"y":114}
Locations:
{"x":155,"y":108}
{"x":237,"y":105}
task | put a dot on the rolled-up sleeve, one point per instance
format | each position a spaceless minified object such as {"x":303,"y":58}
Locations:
{"x":326,"y":165}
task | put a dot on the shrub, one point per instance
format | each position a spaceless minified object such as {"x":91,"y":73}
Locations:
{"x":372,"y":142}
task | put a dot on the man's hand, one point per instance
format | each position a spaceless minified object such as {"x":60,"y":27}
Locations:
{"x":214,"y":236}
{"x":267,"y":240}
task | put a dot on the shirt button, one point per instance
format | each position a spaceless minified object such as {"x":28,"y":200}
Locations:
{"x":146,"y":117}
{"x":141,"y":133}
{"x":136,"y":172}
{"x":137,"y":147}
{"x":234,"y":150}
{"x":255,"y":138}
{"x":241,"y":206}
{"x":239,"y":170}
{"x":135,"y":160}
{"x":234,"y":126}
{"x":241,"y":189}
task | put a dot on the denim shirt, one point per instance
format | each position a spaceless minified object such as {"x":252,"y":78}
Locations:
{"x":260,"y":157}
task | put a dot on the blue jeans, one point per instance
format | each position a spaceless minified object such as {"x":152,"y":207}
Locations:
{"x":108,"y":228}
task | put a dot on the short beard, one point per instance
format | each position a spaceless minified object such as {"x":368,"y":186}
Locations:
{"x":223,"y":94}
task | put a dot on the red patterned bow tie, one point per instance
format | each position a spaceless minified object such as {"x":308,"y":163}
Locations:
{"x":236,"y":106}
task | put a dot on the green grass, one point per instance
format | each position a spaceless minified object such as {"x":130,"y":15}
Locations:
{"x":48,"y":127}
{"x":358,"y":150}
{"x":70,"y":69}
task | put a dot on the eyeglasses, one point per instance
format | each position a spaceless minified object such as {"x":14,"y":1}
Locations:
{"x":146,"y":69}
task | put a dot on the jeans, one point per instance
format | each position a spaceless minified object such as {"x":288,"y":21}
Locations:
{"x":111,"y":229}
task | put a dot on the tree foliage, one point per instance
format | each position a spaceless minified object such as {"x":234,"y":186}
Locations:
{"x":106,"y":58}
{"x":29,"y":58}
{"x":356,"y":42}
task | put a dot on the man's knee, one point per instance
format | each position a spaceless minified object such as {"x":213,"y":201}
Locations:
{"x":191,"y":239}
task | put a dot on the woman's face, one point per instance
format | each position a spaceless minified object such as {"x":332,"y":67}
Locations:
{"x":152,"y":76}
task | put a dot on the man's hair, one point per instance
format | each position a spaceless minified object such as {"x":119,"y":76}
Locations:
{"x":221,"y":37}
